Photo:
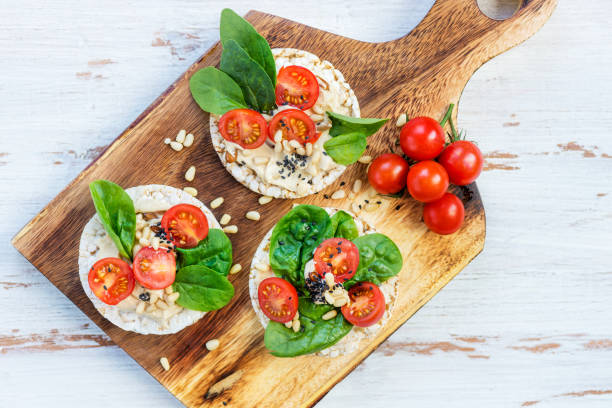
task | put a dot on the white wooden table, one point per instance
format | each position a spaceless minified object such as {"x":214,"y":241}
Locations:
{"x":528,"y":323}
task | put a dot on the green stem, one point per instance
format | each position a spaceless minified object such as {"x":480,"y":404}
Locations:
{"x":453,"y":130}
{"x":448,"y":114}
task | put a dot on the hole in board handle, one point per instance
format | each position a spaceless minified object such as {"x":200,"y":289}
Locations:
{"x":499,"y":9}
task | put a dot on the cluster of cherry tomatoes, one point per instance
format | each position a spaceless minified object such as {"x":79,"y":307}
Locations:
{"x":436,"y":165}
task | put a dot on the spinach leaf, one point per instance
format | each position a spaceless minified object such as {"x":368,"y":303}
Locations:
{"x":234,"y":27}
{"x":202,"y":288}
{"x":346,"y":149}
{"x":379,"y":259}
{"x":215,"y":91}
{"x":344,"y":226}
{"x":116,"y":211}
{"x":342,"y":124}
{"x":315,"y":334}
{"x":214,"y":251}
{"x":294,"y":240}
{"x":256,"y":85}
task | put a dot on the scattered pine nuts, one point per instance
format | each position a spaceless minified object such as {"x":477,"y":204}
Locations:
{"x":264,"y":200}
{"x":141,"y":307}
{"x":167,"y":140}
{"x":339,"y":302}
{"x":309,"y":149}
{"x":357,"y":186}
{"x":188,"y":140}
{"x":253,"y":215}
{"x":212,"y":344}
{"x":365,"y":159}
{"x":401,"y":121}
{"x":230,"y":229}
{"x":289,"y":324}
{"x":338,"y":195}
{"x":216,"y":202}
{"x":176,"y":146}
{"x":355,"y":207}
{"x":225,"y":219}
{"x":235,"y":269}
{"x":329,"y":279}
{"x":164,"y":363}
{"x":173,"y":297}
{"x":295,"y":326}
{"x":329,"y":298}
{"x":191,"y":191}
{"x":329,"y":315}
{"x":190,"y":173}
{"x":180,"y":137}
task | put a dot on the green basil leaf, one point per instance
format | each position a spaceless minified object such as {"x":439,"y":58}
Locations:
{"x":379,"y":259}
{"x":344,"y":226}
{"x":342,"y":124}
{"x":215,"y":91}
{"x":256,"y":85}
{"x":294,"y":240}
{"x":214,"y":251}
{"x":315,"y":334}
{"x":202,"y":288}
{"x":116,"y":211}
{"x":234,"y":27}
{"x":346,"y":149}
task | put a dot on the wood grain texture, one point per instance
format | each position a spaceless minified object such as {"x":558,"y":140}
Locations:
{"x":519,"y":107}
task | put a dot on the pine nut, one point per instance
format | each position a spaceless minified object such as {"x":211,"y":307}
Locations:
{"x":338,"y":195}
{"x":340,"y":302}
{"x":296,"y":316}
{"x":355,"y":208}
{"x":190,"y":173}
{"x":164,"y":363}
{"x":317,"y":109}
{"x":371,"y":207}
{"x":141,"y":307}
{"x":261,"y":160}
{"x":235,"y":269}
{"x":289,"y":325}
{"x":167,"y":140}
{"x":225,"y":219}
{"x":230,"y":229}
{"x":264,"y":200}
{"x":180,"y":137}
{"x":365,"y":159}
{"x":151,"y":308}
{"x":401,"y":121}
{"x":295,"y":144}
{"x":278,"y":136}
{"x":168,"y":290}
{"x":191,"y":191}
{"x":308,"y":149}
{"x":212,"y":344}
{"x":253,"y":215}
{"x":316,"y":156}
{"x":260,"y":266}
{"x":329,"y":279}
{"x":316,"y":117}
{"x":173,"y":297}
{"x":301,"y":151}
{"x":176,"y":146}
{"x":155,"y":243}
{"x":216,"y":202}
{"x":188,"y":140}
{"x":329,"y":298}
{"x":278,"y":147}
{"x":296,"y":326}
{"x":329,"y":315}
{"x":286,"y":146}
{"x":357,"y":186}
{"x":161,"y":304}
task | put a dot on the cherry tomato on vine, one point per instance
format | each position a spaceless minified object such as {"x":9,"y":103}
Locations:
{"x":422,"y":138}
{"x":427,"y":181}
{"x":445,"y":215}
{"x":463,"y":161}
{"x":387,"y":173}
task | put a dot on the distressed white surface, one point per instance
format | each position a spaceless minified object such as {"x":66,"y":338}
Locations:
{"x":527,"y":323}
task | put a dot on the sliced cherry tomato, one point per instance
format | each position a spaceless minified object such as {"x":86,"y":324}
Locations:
{"x":427,"y":181}
{"x":185,"y":224}
{"x":155,"y":268}
{"x":463,"y":162}
{"x":366,"y":306}
{"x":445,"y":215}
{"x":296,"y":86}
{"x":278,"y":299}
{"x":422,"y":138}
{"x":387,"y":173}
{"x":295,"y":125}
{"x":338,"y":256}
{"x":111,"y":280}
{"x":244,"y":127}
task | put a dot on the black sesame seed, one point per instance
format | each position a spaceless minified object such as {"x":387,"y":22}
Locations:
{"x":378,"y":202}
{"x":397,"y":207}
{"x":342,"y":183}
{"x":367,"y":201}
{"x":105,"y":288}
{"x":145,"y":296}
{"x":326,"y":196}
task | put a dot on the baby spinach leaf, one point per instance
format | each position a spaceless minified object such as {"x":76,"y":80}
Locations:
{"x":347,"y":148}
{"x":256,"y":85}
{"x":234,"y":27}
{"x":294,"y":240}
{"x":116,"y":211}
{"x":214,"y":251}
{"x":215,"y":91}
{"x":344,"y":226}
{"x":342,"y":124}
{"x":315,"y":334}
{"x":379,"y":259}
{"x":202,"y":288}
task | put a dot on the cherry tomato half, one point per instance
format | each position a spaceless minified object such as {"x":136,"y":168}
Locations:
{"x":427,"y":181}
{"x":278,"y":299}
{"x":155,"y":268}
{"x":244,"y":127}
{"x":366,"y":306}
{"x":295,"y":125}
{"x":338,"y":256}
{"x":463,"y":162}
{"x":445,"y":215}
{"x":387,"y":173}
{"x":185,"y":224}
{"x":296,"y":86}
{"x":111,"y":280}
{"x":422,"y":138}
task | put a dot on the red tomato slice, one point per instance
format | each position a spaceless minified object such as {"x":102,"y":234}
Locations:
{"x":111,"y":280}
{"x":295,"y":125}
{"x":338,"y":256}
{"x":278,"y":299}
{"x":367,"y":305}
{"x":296,"y":86}
{"x":245,"y":127}
{"x":185,"y":224}
{"x":155,"y":268}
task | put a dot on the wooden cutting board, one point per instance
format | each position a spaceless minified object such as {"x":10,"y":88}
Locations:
{"x":420,"y":74}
